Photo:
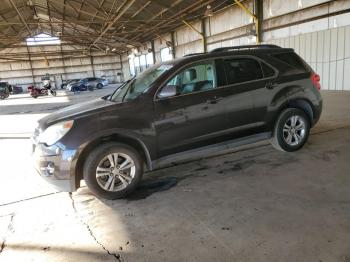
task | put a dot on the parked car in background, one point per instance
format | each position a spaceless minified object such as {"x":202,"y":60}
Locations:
{"x":105,"y":82}
{"x":16,"y":89}
{"x":5,"y":90}
{"x":95,"y":82}
{"x":177,"y":109}
{"x":77,"y":84}
{"x":66,"y":82}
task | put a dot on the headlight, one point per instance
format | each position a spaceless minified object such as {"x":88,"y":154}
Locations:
{"x":55,"y":132}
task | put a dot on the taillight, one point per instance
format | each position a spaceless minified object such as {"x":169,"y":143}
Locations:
{"x":315,"y":78}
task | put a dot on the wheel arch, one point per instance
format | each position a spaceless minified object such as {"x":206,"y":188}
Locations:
{"x":115,"y":137}
{"x":304,"y":105}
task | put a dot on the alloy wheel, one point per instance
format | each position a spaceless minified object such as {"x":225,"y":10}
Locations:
{"x":115,"y":172}
{"x":294,"y":130}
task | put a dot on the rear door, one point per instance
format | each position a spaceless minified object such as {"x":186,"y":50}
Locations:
{"x":195,"y":116}
{"x":244,"y":75}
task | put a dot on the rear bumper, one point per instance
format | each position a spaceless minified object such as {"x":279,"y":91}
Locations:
{"x":54,"y":165}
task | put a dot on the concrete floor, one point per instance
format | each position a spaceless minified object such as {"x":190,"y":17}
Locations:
{"x":253,"y":204}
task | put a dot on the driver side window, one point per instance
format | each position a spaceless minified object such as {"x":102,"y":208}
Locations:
{"x":196,"y":78}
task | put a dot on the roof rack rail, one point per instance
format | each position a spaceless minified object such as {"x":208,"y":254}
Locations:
{"x":194,"y":54}
{"x":240,"y":47}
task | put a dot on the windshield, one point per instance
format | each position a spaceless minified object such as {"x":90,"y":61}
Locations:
{"x":139,"y":84}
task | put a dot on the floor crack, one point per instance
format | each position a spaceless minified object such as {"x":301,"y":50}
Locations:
{"x":9,"y":229}
{"x":115,"y":255}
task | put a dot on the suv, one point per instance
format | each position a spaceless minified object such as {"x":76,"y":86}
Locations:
{"x":179,"y":110}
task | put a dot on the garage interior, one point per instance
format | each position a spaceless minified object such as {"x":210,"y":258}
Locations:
{"x":250,"y":203}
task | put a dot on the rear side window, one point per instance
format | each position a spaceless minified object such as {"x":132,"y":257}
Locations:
{"x":292,"y":60}
{"x":242,"y":70}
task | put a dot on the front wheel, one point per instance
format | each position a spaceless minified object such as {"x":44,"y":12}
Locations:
{"x":113,"y":170}
{"x":99,"y":86}
{"x":291,"y":130}
{"x":53,"y":92}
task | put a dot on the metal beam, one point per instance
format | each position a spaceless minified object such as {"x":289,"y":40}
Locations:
{"x":21,"y":17}
{"x":113,"y":21}
{"x":160,"y":13}
{"x":195,"y":6}
{"x":202,"y":34}
{"x":250,"y":13}
{"x":76,"y":10}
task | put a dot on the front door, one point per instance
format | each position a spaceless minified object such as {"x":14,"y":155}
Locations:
{"x":192,"y":117}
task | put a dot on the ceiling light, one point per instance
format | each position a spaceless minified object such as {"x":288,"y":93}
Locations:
{"x":30,"y":3}
{"x":209,"y":12}
{"x":114,"y":49}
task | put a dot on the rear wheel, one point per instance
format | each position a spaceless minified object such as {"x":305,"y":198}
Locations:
{"x":99,"y":86}
{"x":291,"y":130}
{"x":113,"y":170}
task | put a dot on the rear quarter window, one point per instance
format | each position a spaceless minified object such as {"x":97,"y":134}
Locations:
{"x":267,"y":70}
{"x":292,"y":60}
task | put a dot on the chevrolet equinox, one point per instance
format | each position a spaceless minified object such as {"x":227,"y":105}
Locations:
{"x":176,"y":110}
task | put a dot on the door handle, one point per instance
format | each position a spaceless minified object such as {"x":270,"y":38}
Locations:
{"x":271,"y":85}
{"x":214,"y":100}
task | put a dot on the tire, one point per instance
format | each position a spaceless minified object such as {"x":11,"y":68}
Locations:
{"x":291,"y":130}
{"x":99,"y":86}
{"x":53,"y":92}
{"x":101,"y":158}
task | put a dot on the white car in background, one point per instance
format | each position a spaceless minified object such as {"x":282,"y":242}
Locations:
{"x":95,"y":82}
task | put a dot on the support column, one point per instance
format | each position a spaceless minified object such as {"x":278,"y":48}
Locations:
{"x":31,"y":66}
{"x":260,"y":17}
{"x":64,"y":65}
{"x":153,"y":52}
{"x":92,"y":65}
{"x":122,"y":69}
{"x":204,"y":36}
{"x":173,"y":44}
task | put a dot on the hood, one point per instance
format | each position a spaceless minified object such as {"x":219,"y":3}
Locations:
{"x":75,"y":111}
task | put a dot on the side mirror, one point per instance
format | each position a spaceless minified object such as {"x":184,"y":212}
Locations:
{"x":167,"y":91}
